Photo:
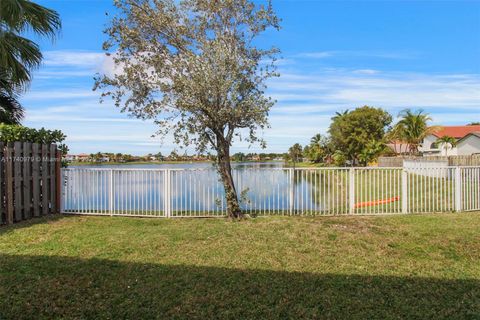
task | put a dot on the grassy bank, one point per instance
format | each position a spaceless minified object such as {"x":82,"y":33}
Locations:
{"x":278,"y":267}
{"x":304,"y":165}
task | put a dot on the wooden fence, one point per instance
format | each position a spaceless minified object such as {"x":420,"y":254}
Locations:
{"x":453,"y":161}
{"x":29,"y":181}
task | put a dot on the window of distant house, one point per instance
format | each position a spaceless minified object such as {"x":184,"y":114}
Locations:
{"x":434,"y":145}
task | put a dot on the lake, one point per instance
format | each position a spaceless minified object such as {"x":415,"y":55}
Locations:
{"x":195,"y":189}
{"x":193,"y":165}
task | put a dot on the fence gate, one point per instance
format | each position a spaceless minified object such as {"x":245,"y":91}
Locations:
{"x":268,"y":191}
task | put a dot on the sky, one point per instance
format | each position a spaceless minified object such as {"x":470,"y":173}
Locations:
{"x":335,"y":55}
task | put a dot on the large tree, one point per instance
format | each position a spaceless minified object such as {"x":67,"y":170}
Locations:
{"x":19,"y":55}
{"x":353,"y":131}
{"x":194,"y":67}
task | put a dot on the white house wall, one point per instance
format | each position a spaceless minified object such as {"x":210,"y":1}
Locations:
{"x":427,"y":142}
{"x":468,"y":146}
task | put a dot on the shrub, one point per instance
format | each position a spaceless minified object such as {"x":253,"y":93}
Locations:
{"x":11,"y":133}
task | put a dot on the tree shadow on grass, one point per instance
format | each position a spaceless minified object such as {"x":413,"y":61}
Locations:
{"x":60,"y":287}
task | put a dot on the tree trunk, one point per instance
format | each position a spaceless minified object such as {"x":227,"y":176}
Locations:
{"x":225,"y":171}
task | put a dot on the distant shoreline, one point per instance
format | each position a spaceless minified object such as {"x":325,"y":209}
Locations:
{"x":108,"y":163}
{"x":88,"y":163}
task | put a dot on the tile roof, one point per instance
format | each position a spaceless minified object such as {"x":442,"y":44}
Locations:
{"x":457,"y":132}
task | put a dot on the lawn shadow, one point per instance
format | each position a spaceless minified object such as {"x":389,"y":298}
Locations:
{"x":61,"y":287}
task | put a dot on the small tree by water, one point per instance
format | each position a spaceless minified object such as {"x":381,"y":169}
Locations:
{"x":193,"y":67}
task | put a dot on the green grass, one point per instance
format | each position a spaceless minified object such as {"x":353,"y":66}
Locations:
{"x":426,"y":194}
{"x":289,"y":164}
{"x":390,"y":267}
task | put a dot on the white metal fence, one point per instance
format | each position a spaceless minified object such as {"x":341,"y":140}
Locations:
{"x":268,"y":191}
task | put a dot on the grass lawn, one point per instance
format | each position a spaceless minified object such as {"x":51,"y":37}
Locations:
{"x":384,"y":267}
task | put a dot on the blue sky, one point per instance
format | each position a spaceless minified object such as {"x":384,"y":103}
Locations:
{"x":336,"y":55}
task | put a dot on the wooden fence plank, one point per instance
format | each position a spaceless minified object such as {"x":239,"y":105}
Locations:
{"x":36,"y":179}
{"x":17,"y":173}
{"x":52,"y":180}
{"x":9,"y":182}
{"x":27,"y":178}
{"x":58,"y":180}
{"x":45,"y":187}
{"x":3,"y":218}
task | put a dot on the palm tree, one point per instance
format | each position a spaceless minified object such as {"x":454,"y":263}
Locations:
{"x":316,"y":139}
{"x":295,"y":153}
{"x":447,"y":142}
{"x":11,"y":112}
{"x":19,"y":56}
{"x":394,"y":136}
{"x":338,"y":115}
{"x":413,"y":128}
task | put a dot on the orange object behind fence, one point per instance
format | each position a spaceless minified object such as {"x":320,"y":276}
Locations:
{"x":376,"y":202}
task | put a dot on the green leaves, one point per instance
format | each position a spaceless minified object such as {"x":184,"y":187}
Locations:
{"x":295,"y":153}
{"x":446,"y":142}
{"x":11,"y":133}
{"x":412,"y":128}
{"x":353,"y":132}
{"x":18,"y":55}
{"x":192,"y":67}
{"x":11,"y":112}
{"x":24,"y":15}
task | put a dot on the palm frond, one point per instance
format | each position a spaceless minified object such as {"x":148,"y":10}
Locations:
{"x":24,"y":15}
{"x":11,"y":111}
{"x":19,"y":55}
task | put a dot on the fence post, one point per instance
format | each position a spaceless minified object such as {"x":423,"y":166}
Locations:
{"x":167,"y":193}
{"x":292,"y":190}
{"x":351,"y":191}
{"x":404,"y":191}
{"x":458,"y":189}
{"x":111,"y":194}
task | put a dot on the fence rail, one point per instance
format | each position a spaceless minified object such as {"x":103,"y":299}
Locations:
{"x":268,"y":191}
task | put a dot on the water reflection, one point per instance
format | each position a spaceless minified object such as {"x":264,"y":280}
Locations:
{"x":266,"y":188}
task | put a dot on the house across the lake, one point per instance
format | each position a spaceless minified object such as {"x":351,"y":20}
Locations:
{"x":468,"y":141}
{"x":77,"y":157}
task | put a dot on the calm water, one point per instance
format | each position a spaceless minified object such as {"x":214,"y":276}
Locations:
{"x":265,"y":186}
{"x":193,"y":165}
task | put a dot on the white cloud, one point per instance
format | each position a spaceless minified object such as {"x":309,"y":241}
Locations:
{"x":366,"y":71}
{"x":72,"y":63}
{"x":306,"y":100}
{"x":316,"y":55}
{"x":357,"y":54}
{"x":84,"y":59}
{"x":63,"y":93}
{"x":389,"y":90}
